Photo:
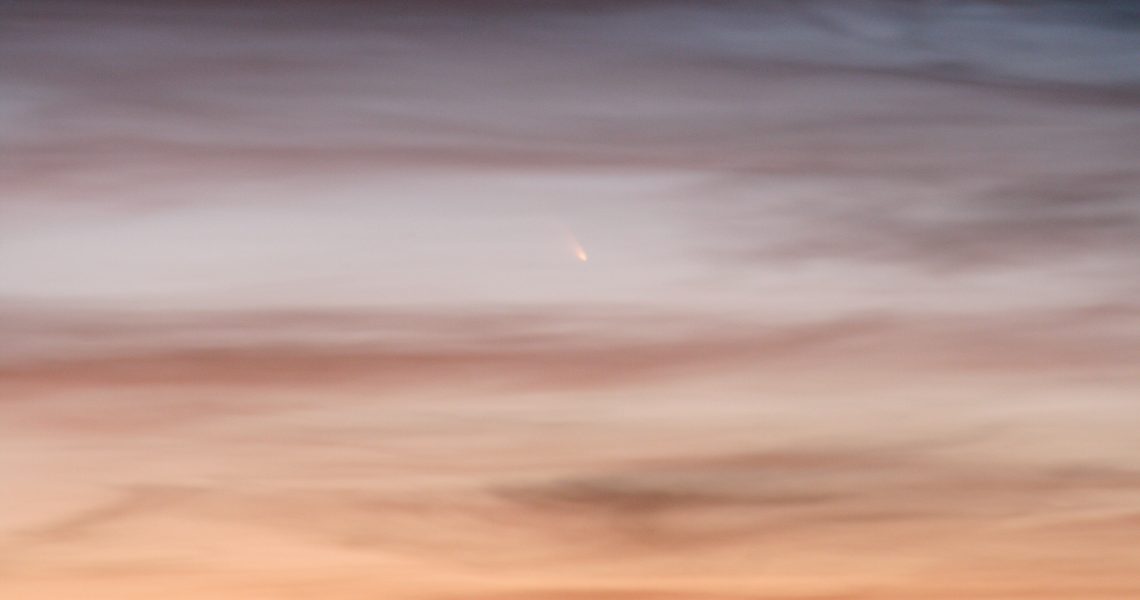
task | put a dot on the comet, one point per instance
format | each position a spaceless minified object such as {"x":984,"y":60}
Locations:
{"x":579,"y":251}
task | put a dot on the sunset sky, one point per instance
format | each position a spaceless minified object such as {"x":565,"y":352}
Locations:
{"x":295,"y":305}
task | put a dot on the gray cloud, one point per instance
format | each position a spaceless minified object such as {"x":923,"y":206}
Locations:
{"x":1017,"y":224}
{"x":945,"y":134}
{"x":172,"y":91}
{"x":767,"y":498}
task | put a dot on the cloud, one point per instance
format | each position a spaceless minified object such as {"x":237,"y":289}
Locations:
{"x":803,"y":496}
{"x":812,"y":84}
{"x":128,"y":505}
{"x":801,"y":500}
{"x":320,"y":347}
{"x":860,"y":508}
{"x":1029,"y":221}
{"x":166,"y":371}
{"x":163,"y":372}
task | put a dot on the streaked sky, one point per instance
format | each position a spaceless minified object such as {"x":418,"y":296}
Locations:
{"x":291,"y":305}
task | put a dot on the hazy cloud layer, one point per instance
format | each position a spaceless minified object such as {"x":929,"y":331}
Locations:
{"x":293,"y":305}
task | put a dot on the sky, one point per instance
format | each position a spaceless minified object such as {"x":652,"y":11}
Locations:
{"x":557,"y":300}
